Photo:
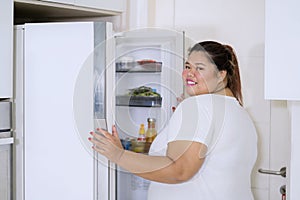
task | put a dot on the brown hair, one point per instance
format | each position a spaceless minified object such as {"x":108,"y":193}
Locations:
{"x":224,"y":57}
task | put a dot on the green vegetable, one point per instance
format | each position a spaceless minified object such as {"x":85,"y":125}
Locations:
{"x":143,"y":91}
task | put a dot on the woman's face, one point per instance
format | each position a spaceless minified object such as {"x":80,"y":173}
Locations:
{"x":200,"y":76}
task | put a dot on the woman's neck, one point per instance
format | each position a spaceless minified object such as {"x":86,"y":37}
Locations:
{"x":224,"y":91}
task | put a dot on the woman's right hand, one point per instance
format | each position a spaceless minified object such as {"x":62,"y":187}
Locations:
{"x":107,"y":144}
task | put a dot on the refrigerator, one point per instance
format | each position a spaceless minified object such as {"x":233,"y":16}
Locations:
{"x":71,"y":78}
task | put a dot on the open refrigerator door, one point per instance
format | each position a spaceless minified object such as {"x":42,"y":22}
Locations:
{"x":104,"y":106}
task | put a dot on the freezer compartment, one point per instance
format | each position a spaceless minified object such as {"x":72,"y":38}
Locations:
{"x":138,"y":66}
{"x":5,"y":116}
{"x":139,"y":101}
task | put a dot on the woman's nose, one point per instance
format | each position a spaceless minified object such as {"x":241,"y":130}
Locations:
{"x":190,"y":72}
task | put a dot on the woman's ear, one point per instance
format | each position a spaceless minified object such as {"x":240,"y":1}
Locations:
{"x":222,"y":75}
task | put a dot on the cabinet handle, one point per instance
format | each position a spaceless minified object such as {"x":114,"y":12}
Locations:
{"x":282,"y":172}
{"x":5,"y":141}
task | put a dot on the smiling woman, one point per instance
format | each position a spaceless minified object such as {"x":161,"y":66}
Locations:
{"x":209,"y":146}
{"x":212,"y":68}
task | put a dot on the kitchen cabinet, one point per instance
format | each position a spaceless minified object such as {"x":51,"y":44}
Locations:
{"x":60,"y":10}
{"x":6,"y":143}
{"x":282,"y":75}
{"x":61,"y":1}
{"x":282,"y":43}
{"x":6,"y":48}
{"x":5,"y":166}
{"x":112,"y":5}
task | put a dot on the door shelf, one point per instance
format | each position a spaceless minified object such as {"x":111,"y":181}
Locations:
{"x":138,"y":101}
{"x":138,"y":66}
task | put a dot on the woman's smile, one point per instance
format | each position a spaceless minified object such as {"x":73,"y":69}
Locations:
{"x":190,"y":82}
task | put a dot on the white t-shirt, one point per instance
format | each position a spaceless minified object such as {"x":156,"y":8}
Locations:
{"x":226,"y":129}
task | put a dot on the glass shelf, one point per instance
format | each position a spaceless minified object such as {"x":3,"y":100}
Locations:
{"x":138,"y":101}
{"x":136,"y":67}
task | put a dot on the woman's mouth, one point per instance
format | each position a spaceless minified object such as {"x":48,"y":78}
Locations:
{"x":190,"y":82}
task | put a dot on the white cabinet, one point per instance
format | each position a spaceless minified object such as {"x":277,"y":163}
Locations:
{"x":6,"y":165}
{"x":5,"y":176}
{"x":61,"y":1}
{"x":6,"y":48}
{"x":111,"y":5}
{"x":58,"y":10}
{"x":282,"y":41}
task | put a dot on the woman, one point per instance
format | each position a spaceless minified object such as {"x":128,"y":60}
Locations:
{"x":208,"y":149}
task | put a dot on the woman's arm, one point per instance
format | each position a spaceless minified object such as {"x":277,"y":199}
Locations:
{"x":181,"y":163}
{"x":183,"y":159}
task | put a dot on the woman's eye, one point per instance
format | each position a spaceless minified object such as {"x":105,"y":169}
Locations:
{"x":187,"y":67}
{"x":199,"y":68}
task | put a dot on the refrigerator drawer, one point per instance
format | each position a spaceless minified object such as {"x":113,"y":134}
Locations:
{"x":5,"y":116}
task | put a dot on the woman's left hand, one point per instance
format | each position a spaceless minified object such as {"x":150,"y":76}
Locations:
{"x":107,"y":144}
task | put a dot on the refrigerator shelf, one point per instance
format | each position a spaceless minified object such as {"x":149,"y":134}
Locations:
{"x":138,"y":67}
{"x":138,"y":101}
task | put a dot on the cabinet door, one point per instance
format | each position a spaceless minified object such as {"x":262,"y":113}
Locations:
{"x":282,"y":41}
{"x":6,"y":168}
{"x":61,"y":1}
{"x":112,"y":5}
{"x":6,"y":41}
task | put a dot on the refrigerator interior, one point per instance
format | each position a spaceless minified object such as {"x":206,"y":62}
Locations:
{"x":151,"y":58}
{"x":162,"y":46}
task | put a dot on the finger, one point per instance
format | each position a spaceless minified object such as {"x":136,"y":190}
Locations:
{"x":104,"y":133}
{"x":97,"y":142}
{"x":115,"y":132}
{"x":99,"y":135}
{"x":99,"y":139}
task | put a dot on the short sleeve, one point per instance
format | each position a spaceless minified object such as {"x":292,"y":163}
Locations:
{"x":191,"y":121}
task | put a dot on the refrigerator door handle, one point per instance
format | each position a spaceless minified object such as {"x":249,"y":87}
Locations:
{"x":5,"y":141}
